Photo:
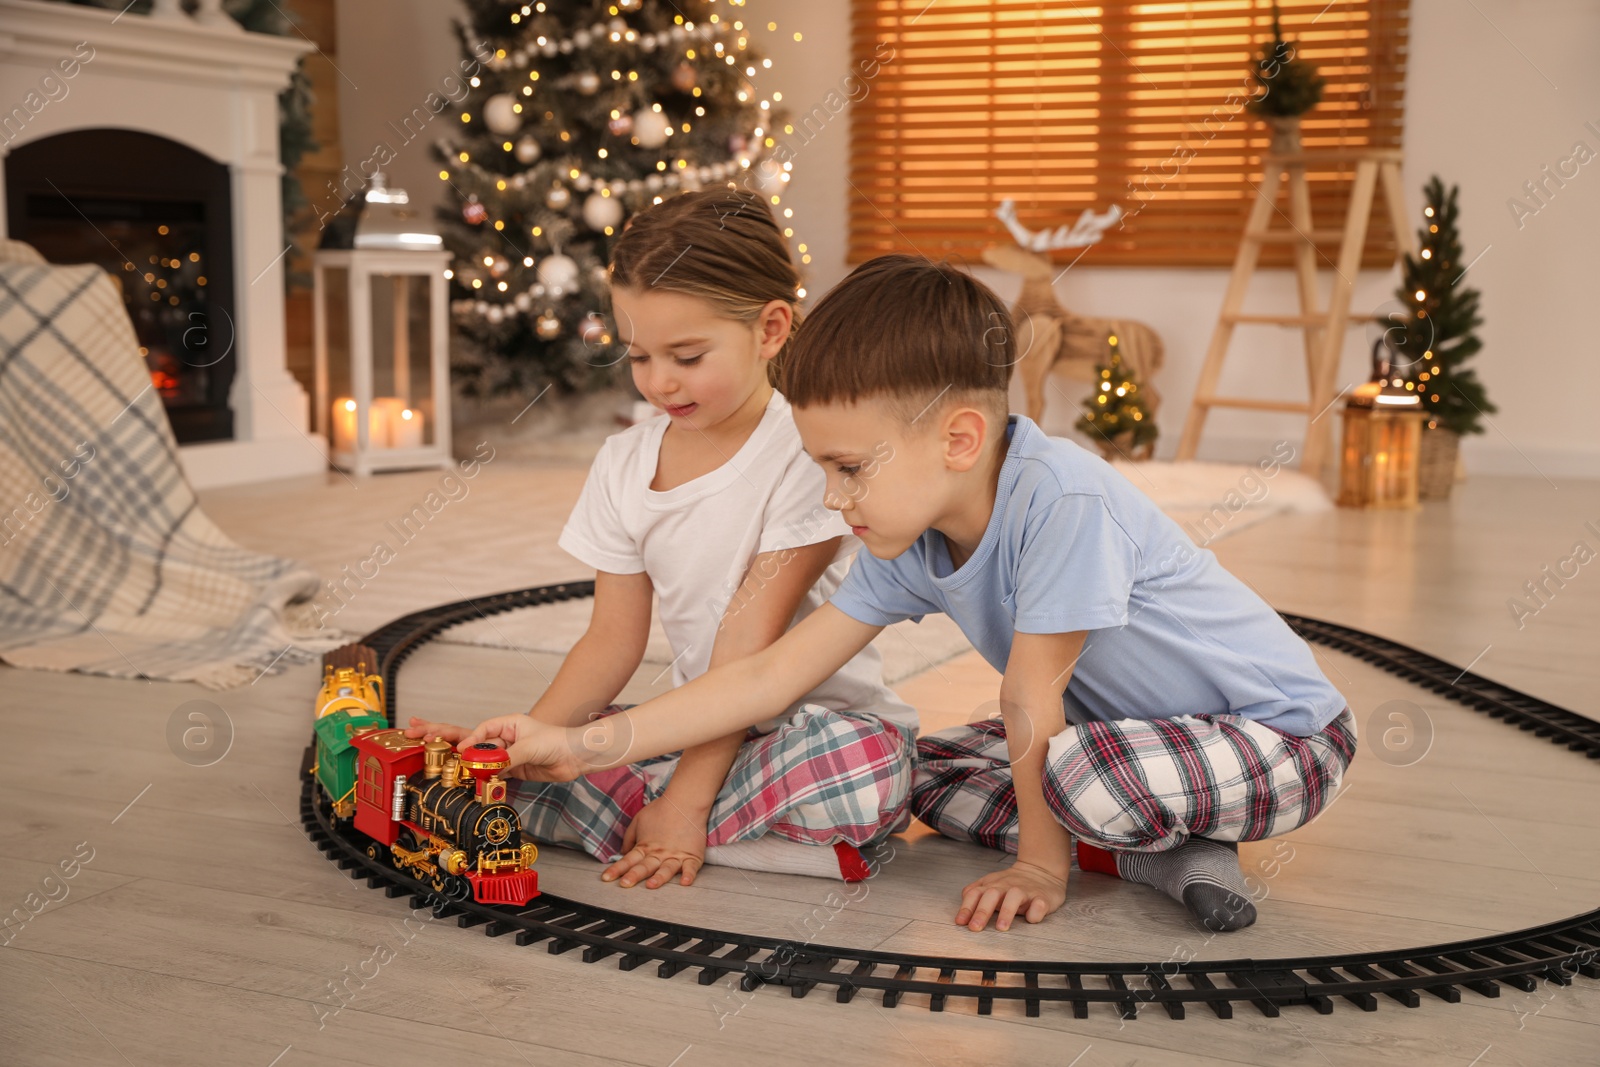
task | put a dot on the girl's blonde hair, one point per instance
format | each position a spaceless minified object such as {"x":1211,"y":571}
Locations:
{"x":722,"y":245}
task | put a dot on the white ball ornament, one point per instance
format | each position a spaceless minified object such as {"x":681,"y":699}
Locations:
{"x":602,"y":212}
{"x":650,"y":127}
{"x":558,"y":198}
{"x":588,"y":83}
{"x":499,"y":112}
{"x":558,"y":271}
{"x":528,"y":150}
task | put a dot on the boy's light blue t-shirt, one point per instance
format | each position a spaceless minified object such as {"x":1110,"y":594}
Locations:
{"x":1073,"y":545}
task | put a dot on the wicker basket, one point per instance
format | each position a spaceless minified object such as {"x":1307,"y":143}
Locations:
{"x":1436,"y":466}
{"x":1121,"y":447}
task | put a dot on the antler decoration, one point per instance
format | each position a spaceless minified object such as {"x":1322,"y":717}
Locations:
{"x":1088,"y":230}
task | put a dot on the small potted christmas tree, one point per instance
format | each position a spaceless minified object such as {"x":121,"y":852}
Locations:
{"x":1436,"y":340}
{"x":1115,"y":415}
{"x":1287,"y":87}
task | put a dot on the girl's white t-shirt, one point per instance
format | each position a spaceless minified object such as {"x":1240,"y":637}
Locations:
{"x":698,"y":540}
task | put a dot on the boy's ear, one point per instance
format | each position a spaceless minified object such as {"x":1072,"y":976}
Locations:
{"x":966,"y":437}
{"x":773,"y":326}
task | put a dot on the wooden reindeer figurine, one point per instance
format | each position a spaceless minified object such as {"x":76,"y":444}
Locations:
{"x":1047,"y":333}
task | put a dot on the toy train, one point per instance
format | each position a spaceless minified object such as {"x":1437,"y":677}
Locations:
{"x":437,"y":813}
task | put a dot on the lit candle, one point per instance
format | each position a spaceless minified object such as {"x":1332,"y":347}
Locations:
{"x":385,"y":417}
{"x":406,"y":431}
{"x":344,"y":424}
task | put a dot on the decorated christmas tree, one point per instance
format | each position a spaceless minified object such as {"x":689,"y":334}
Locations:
{"x":586,"y":113}
{"x":1435,"y":340}
{"x":1115,"y":415}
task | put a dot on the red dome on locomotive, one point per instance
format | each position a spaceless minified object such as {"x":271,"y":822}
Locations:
{"x":484,"y":760}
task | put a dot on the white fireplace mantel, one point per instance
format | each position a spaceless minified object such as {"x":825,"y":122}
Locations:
{"x":212,"y":87}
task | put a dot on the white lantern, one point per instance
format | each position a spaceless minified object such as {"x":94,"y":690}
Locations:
{"x":381,"y":324}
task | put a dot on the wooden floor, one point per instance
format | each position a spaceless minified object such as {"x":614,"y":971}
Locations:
{"x":206,"y":929}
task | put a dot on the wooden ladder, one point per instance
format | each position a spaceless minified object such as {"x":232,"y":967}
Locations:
{"x":1323,"y":329}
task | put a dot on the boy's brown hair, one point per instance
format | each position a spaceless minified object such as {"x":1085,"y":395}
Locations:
{"x":907,"y":331}
{"x":722,"y":245}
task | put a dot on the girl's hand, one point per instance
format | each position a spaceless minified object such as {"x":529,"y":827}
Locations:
{"x":420,"y":728}
{"x":1021,"y":888}
{"x":540,"y":751}
{"x":662,"y":840}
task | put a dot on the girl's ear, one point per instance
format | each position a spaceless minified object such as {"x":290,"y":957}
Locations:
{"x":773,"y":325}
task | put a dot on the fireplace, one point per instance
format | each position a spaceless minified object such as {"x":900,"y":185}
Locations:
{"x":159,"y":222}
{"x":138,"y":138}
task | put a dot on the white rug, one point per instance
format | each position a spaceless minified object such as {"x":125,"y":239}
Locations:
{"x":1209,"y":500}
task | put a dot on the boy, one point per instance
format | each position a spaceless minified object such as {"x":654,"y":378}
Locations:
{"x":1153,"y":707}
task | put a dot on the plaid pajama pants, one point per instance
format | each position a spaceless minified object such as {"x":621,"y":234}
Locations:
{"x":820,"y":777}
{"x":1137,"y":785}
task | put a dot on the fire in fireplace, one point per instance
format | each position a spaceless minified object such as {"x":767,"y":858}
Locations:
{"x":156,"y":215}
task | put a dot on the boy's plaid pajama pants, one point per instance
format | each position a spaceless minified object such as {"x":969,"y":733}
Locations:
{"x":1137,"y":785}
{"x":822,"y":776}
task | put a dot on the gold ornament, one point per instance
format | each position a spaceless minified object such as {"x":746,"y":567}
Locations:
{"x":548,"y":327}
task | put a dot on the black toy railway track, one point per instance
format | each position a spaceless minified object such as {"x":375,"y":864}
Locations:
{"x":1555,"y":952}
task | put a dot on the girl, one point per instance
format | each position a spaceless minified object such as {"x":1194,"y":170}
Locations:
{"x":714,"y":508}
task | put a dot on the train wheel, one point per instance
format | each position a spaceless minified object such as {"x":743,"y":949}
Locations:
{"x":457,"y":888}
{"x":373,"y":852}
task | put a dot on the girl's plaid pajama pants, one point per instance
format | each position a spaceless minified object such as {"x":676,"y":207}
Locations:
{"x":1137,"y":785}
{"x":822,"y":776}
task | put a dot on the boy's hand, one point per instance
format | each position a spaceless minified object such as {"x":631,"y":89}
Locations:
{"x":1022,"y":888}
{"x":662,"y":840}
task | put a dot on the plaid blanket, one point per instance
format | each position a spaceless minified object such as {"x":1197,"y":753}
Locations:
{"x":107,"y":564}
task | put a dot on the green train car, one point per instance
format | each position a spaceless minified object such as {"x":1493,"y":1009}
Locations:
{"x":350,"y":702}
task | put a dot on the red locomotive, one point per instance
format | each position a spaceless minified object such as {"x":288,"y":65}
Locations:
{"x":439,"y":813}
{"x":443,"y":814}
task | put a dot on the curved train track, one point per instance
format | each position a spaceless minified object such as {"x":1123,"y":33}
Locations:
{"x":1555,"y":952}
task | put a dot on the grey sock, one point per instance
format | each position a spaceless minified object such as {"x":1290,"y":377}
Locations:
{"x":1201,"y":874}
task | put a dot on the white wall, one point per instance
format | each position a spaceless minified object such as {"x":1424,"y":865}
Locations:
{"x":1497,"y":89}
{"x":392,"y":54}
